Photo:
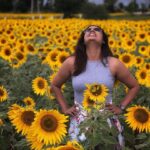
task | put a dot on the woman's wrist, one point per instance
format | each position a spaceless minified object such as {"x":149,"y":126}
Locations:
{"x":122,"y":107}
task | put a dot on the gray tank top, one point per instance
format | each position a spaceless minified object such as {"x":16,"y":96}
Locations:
{"x":95,"y":72}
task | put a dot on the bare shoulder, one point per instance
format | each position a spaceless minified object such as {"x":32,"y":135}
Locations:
{"x":122,"y":72}
{"x":70,"y":63}
{"x":113,"y":60}
{"x":70,"y":60}
{"x":64,"y":72}
{"x":113,"y":63}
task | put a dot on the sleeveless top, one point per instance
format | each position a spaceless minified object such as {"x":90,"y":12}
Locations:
{"x":95,"y":72}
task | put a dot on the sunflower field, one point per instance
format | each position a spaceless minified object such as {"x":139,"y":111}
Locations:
{"x":32,"y":51}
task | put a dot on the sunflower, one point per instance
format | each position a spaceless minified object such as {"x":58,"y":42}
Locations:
{"x":138,"y":118}
{"x":142,"y":76}
{"x":147,"y":66}
{"x":39,"y":85}
{"x":141,"y":36}
{"x":71,"y":145}
{"x":59,"y":40}
{"x":126,"y":89}
{"x":112,"y":42}
{"x":88,"y":103}
{"x":34,"y":143}
{"x":14,"y":109}
{"x":51,"y":77}
{"x":23,"y":120}
{"x":51,"y":148}
{"x":50,"y":93}
{"x":142,"y":50}
{"x":74,"y":36}
{"x":49,"y":126}
{"x":11,"y":38}
{"x":61,"y":57}
{"x":1,"y":122}
{"x":129,"y":45}
{"x":6,"y":53}
{"x":3,"y":41}
{"x":51,"y":57}
{"x":20,"y":56}
{"x":29,"y":101}
{"x":116,"y":83}
{"x":128,"y":59}
{"x":22,"y":48}
{"x":66,"y":42}
{"x":97,"y":92}
{"x":139,"y":61}
{"x":30,"y":49}
{"x":3,"y":94}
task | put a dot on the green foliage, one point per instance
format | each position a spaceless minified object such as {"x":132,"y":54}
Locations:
{"x":18,"y":83}
{"x":96,"y":11}
{"x":68,"y":7}
{"x":109,"y":4}
{"x":133,"y":139}
{"x":133,"y":6}
{"x":97,"y":130}
{"x":6,"y":5}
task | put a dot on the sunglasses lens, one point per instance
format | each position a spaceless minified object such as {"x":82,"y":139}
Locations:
{"x":95,"y":29}
{"x":88,"y":30}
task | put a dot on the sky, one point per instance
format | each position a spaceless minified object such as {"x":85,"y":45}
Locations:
{"x":125,"y":2}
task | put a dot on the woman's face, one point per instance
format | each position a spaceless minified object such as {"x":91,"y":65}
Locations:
{"x":93,"y":33}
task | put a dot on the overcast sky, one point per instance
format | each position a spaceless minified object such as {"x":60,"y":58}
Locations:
{"x":125,"y":2}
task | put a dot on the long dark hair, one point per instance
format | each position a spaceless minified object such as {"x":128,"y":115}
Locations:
{"x":81,"y":56}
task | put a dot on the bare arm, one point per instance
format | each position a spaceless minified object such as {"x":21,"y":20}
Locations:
{"x":124,"y":75}
{"x":61,"y":77}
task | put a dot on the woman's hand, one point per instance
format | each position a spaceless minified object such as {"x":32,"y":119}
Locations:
{"x":114,"y":109}
{"x":71,"y":111}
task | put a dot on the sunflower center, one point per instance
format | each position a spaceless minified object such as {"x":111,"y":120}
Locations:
{"x":1,"y":92}
{"x":41,"y":84}
{"x":111,"y":42}
{"x":49,"y":123}
{"x":22,"y":48}
{"x":96,"y":90}
{"x":141,"y":115}
{"x":147,"y":66}
{"x":19,"y":56}
{"x":138,"y":60}
{"x":126,"y":59}
{"x":143,"y":48}
{"x":3,"y":41}
{"x":142,"y":35}
{"x":62,"y":59}
{"x":28,"y":102}
{"x":129,"y":43}
{"x":143,"y":75}
{"x":53,"y":57}
{"x":90,"y":101}
{"x":7,"y":52}
{"x":28,"y":117}
{"x":30,"y":48}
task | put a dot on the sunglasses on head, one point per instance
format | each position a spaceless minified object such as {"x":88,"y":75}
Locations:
{"x":95,"y":29}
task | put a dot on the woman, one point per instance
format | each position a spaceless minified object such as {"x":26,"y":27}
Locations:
{"x":92,"y":61}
